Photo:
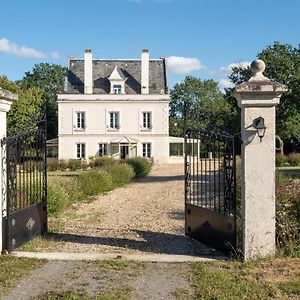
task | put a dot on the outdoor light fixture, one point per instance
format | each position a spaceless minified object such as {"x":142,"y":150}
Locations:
{"x":259,"y":125}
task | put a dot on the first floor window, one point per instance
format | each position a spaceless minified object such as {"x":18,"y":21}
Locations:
{"x":147,"y":150}
{"x":81,"y":120}
{"x":147,"y":120}
{"x":102,"y":149}
{"x":81,"y":151}
{"x":114,"y":120}
{"x":176,"y":149}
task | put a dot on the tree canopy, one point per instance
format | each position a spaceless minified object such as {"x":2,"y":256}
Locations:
{"x":282,"y":65}
{"x":26,"y":109}
{"x":202,"y":102}
{"x":50,"y":79}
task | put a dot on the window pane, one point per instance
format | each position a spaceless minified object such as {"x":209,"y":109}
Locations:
{"x":83,"y":151}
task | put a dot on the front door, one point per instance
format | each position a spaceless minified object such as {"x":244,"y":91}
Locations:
{"x":124,"y":152}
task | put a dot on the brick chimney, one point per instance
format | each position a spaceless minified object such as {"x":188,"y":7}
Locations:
{"x":145,"y":72}
{"x":88,"y":72}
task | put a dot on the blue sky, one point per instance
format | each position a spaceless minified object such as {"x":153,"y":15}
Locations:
{"x":200,"y":37}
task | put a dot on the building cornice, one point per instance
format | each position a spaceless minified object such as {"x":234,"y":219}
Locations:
{"x":112,"y":98}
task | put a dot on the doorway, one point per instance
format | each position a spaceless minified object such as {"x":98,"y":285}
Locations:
{"x":124,"y":149}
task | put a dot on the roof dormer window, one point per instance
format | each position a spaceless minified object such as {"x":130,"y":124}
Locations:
{"x":117,"y":89}
{"x":117,"y":81}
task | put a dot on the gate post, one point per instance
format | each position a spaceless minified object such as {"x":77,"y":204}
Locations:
{"x":6,"y":99}
{"x":257,"y":99}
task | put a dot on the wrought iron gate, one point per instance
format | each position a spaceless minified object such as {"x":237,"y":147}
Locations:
{"x":210,"y":188}
{"x":25,"y":209}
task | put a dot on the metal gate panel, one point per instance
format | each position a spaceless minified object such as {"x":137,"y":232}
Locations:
{"x":210,"y":188}
{"x":25,"y":216}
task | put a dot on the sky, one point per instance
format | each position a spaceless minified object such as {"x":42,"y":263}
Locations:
{"x":201,"y":38}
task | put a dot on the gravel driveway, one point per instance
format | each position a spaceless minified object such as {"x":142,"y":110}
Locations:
{"x":145,"y":216}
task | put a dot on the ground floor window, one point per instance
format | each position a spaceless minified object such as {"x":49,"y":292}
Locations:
{"x":147,"y":150}
{"x":176,"y":149}
{"x":102,"y":149}
{"x":80,"y":150}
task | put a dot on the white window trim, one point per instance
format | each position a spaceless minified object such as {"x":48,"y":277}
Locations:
{"x":117,"y":82}
{"x":142,"y":121}
{"x":76,"y":120}
{"x":147,"y":144}
{"x":105,"y":148}
{"x":80,"y":150}
{"x":109,"y":128}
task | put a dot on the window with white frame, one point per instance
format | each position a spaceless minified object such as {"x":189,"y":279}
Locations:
{"x":114,"y":120}
{"x":80,"y":120}
{"x":147,"y":150}
{"x":117,"y":89}
{"x":80,"y":150}
{"x":147,"y":122}
{"x":102,"y":149}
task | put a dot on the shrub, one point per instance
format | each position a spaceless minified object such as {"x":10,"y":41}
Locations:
{"x":103,"y":161}
{"x":53,"y":166}
{"x":281,"y":160}
{"x":141,"y":166}
{"x":294,"y":159}
{"x":94,"y":182}
{"x":288,"y":215}
{"x":121,"y":174}
{"x":57,"y":197}
{"x":74,"y":164}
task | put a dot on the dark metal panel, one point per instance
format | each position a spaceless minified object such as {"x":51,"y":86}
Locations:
{"x":211,"y":228}
{"x":25,"y":224}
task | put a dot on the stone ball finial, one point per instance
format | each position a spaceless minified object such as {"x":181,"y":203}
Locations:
{"x":257,"y":67}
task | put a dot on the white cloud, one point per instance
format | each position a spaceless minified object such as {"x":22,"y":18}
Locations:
{"x":227,"y":70}
{"x":22,"y":51}
{"x":55,"y":55}
{"x":183,"y":65}
{"x":225,"y":83}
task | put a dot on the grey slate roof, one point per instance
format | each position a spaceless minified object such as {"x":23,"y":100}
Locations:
{"x":102,"y":69}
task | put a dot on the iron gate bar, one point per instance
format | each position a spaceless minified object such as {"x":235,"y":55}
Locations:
{"x":210,"y":197}
{"x":26,"y":189}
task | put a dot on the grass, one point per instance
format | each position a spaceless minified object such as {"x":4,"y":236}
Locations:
{"x":279,"y":278}
{"x":82,"y":294}
{"x":13,"y":269}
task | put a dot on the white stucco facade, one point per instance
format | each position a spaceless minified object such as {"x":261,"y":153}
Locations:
{"x":122,"y":125}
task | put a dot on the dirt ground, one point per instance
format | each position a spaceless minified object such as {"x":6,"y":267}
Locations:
{"x":145,"y":216}
{"x":104,"y":280}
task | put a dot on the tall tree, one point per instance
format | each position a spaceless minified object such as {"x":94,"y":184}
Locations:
{"x":50,"y":79}
{"x":201,"y":101}
{"x":25,"y":111}
{"x":282,"y":65}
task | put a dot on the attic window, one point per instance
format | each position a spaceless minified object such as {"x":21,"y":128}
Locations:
{"x":117,"y":81}
{"x":117,"y":89}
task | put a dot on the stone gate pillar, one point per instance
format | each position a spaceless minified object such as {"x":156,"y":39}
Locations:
{"x":257,"y":99}
{"x":6,"y":99}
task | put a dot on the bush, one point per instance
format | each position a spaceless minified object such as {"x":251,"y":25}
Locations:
{"x":294,"y":159}
{"x":57,"y":197}
{"x":288,"y":216}
{"x":61,"y":192}
{"x":74,"y":164}
{"x":140,"y":166}
{"x":94,"y":182}
{"x":281,"y":160}
{"x":53,"y":166}
{"x":121,"y":174}
{"x":103,"y":161}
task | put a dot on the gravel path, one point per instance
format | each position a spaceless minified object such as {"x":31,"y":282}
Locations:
{"x":145,"y":216}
